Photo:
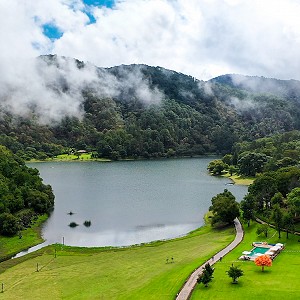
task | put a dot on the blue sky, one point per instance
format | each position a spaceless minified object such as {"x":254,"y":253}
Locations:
{"x":107,"y":3}
{"x":53,"y":32}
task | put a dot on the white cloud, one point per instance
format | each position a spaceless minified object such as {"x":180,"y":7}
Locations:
{"x":203,"y":38}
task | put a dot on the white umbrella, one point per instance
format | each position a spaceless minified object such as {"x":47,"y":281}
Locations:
{"x":246,"y":252}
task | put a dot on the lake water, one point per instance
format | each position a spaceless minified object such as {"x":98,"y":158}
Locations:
{"x":129,"y":202}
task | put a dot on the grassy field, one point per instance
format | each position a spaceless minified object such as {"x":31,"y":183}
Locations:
{"x":10,"y":246}
{"x":281,"y":281}
{"x":140,"y":272}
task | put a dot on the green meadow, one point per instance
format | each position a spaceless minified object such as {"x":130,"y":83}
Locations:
{"x":281,"y":281}
{"x":148,"y":271}
{"x":73,"y":157}
{"x":138,"y":272}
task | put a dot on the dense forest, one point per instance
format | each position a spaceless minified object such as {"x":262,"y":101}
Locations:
{"x":274,"y":196}
{"x":151,"y":112}
{"x":23,"y":196}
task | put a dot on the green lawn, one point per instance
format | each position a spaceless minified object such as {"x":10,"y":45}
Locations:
{"x":237,"y":179}
{"x":281,"y":281}
{"x":122,"y":273}
{"x":73,"y":157}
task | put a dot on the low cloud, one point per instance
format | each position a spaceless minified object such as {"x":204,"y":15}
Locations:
{"x":203,"y":39}
{"x":51,"y":87}
{"x":242,"y":105}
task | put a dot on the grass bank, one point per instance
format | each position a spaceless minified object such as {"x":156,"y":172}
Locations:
{"x":281,"y":281}
{"x":237,"y":179}
{"x":9,"y":246}
{"x":138,"y":272}
{"x":72,"y":157}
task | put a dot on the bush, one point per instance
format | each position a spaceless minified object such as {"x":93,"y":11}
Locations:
{"x":8,"y":224}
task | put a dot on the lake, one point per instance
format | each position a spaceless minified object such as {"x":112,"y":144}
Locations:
{"x":129,"y":202}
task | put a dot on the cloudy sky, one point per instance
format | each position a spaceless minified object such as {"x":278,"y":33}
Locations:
{"x":202,"y":38}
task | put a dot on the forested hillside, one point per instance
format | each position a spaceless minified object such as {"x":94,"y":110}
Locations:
{"x":23,"y":196}
{"x":141,"y":111}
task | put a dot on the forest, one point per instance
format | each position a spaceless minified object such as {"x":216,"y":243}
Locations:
{"x":274,"y":195}
{"x":23,"y":196}
{"x":191,"y":117}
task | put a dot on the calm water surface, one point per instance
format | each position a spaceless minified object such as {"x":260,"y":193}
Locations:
{"x":129,"y":202}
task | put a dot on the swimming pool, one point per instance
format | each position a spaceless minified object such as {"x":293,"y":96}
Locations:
{"x":257,"y":250}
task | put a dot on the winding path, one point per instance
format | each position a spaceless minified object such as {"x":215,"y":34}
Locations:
{"x":189,"y":285}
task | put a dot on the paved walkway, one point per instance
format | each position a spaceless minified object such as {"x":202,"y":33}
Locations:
{"x":188,"y":287}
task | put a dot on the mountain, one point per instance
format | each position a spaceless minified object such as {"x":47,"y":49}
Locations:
{"x":139,"y":110}
{"x":254,"y":84}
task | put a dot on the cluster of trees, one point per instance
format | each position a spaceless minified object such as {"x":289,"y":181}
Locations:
{"x":23,"y":196}
{"x":207,"y":274}
{"x":260,"y":155}
{"x":275,"y":197}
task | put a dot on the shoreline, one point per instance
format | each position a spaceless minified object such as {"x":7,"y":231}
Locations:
{"x":87,"y":158}
{"x":31,"y":237}
{"x":43,"y":243}
{"x":240,"y":180}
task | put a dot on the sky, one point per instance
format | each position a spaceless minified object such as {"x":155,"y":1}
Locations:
{"x":201,"y":38}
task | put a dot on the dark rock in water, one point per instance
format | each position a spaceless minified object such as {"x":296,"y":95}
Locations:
{"x":73,"y":224}
{"x":87,"y":223}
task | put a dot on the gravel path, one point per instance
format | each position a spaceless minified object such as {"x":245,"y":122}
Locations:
{"x":188,"y":287}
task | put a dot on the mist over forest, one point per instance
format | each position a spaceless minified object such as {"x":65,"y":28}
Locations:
{"x":56,"y":103}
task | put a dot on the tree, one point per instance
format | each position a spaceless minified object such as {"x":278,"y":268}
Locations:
{"x":232,"y":169}
{"x":217,"y":166}
{"x":277,"y":199}
{"x":247,"y":207}
{"x":8,"y":224}
{"x":251,"y":163}
{"x":206,"y":276}
{"x":224,"y":207}
{"x":288,"y":222}
{"x":293,"y":201}
{"x":264,"y":228}
{"x":209,"y":269}
{"x":263,"y":261}
{"x":262,"y":190}
{"x":235,"y":273}
{"x":228,"y":159}
{"x":277,"y":216}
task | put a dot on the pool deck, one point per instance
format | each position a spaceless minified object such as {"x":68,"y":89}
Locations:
{"x":262,"y":244}
{"x":273,"y":253}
